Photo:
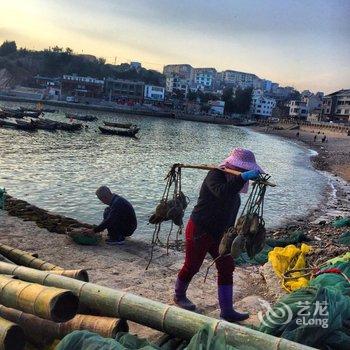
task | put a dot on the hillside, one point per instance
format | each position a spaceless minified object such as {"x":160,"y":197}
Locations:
{"x":19,"y":66}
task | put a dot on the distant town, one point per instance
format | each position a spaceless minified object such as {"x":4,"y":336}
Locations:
{"x":181,"y":88}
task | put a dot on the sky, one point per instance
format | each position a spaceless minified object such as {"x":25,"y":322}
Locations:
{"x":300,"y":43}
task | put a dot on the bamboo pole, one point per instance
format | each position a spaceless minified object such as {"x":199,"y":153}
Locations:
{"x":41,"y":332}
{"x":212,"y":167}
{"x":11,"y":336}
{"x":22,"y":257}
{"x":165,"y":318}
{"x":51,"y":303}
{"x":37,"y":331}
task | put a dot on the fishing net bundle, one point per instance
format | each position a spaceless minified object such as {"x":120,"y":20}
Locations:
{"x":170,"y":208}
{"x":248,"y":234}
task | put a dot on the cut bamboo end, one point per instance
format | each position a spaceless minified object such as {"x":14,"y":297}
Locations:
{"x":11,"y":336}
{"x":51,"y":303}
{"x":41,"y":332}
{"x":37,"y":331}
{"x":81,"y":275}
{"x":107,"y":327}
{"x":21,"y":257}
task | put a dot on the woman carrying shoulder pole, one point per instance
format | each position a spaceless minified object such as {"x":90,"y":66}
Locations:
{"x":216,"y":210}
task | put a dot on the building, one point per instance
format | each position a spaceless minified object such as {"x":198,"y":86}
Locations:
{"x":336,"y":106}
{"x":44,"y":82}
{"x":204,"y":79}
{"x":120,"y":89}
{"x":183,"y":71}
{"x":81,"y":87}
{"x":135,"y":65}
{"x":217,"y":107}
{"x":154,"y":93}
{"x":175,"y":83}
{"x":298,"y":109}
{"x":312,"y":102}
{"x":315,"y":115}
{"x":238,"y":79}
{"x":262,"y":106}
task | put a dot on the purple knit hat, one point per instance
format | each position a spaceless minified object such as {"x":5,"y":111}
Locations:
{"x":241,"y":158}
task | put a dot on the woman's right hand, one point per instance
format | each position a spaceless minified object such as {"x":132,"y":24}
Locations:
{"x":250,"y":175}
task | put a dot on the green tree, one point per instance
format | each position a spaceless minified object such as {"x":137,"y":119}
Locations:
{"x":69,"y":51}
{"x":57,"y":49}
{"x":238,"y":102}
{"x":7,"y":48}
{"x":192,"y":95}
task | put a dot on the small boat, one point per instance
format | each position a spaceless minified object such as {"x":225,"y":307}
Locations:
{"x":46,"y":110}
{"x":69,"y":127}
{"x":121,"y":132}
{"x":7,"y":124}
{"x":25,"y":125}
{"x":119,"y":125}
{"x":85,"y":118}
{"x":31,"y":114}
{"x":45,"y":124}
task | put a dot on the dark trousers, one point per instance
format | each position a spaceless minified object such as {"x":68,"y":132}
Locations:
{"x":197,"y":246}
{"x":118,"y":231}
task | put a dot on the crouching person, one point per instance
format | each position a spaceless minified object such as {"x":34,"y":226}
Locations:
{"x":118,"y":218}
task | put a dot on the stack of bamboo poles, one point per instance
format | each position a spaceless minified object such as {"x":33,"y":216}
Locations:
{"x":37,"y":314}
{"x":116,"y":304}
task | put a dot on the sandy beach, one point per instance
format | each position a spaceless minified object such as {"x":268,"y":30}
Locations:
{"x":333,"y":155}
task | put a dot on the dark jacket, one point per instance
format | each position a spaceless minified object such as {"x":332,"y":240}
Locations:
{"x":119,"y":214}
{"x":218,"y":202}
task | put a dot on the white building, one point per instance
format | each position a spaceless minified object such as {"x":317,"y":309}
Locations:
{"x":135,"y":65}
{"x":154,"y":93}
{"x":204,"y":78}
{"x":176,"y":83}
{"x":239,"y":79}
{"x":262,"y":106}
{"x":298,"y":109}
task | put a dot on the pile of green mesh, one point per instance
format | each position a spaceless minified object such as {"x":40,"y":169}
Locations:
{"x":318,"y":315}
{"x":342,"y":222}
{"x":84,"y":340}
{"x":345,"y":238}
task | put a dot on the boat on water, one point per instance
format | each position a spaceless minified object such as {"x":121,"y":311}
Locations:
{"x":46,"y":110}
{"x":85,"y":118}
{"x":120,"y":125}
{"x":18,"y":124}
{"x":26,"y":125}
{"x":45,"y":124}
{"x":131,"y":132}
{"x":69,"y":127}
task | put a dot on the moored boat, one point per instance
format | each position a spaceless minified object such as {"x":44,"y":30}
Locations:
{"x":119,"y":125}
{"x":46,"y":124}
{"x":121,"y":132}
{"x":85,"y":118}
{"x":26,"y":125}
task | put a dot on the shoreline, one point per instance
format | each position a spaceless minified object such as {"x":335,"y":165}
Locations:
{"x":337,"y":196}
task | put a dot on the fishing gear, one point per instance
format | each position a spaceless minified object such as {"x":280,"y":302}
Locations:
{"x":169,"y":209}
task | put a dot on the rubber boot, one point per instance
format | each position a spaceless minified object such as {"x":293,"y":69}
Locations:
{"x":225,"y":294}
{"x":180,"y":298}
